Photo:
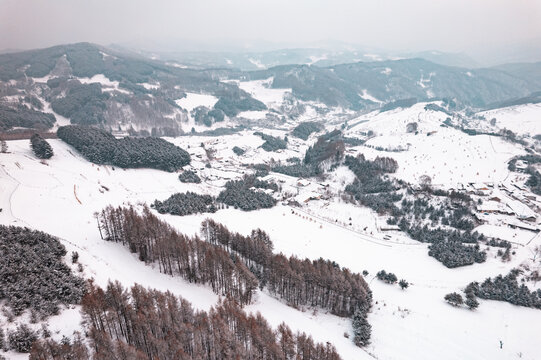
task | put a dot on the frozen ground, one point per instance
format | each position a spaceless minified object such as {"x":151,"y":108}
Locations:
{"x":448,"y":156}
{"x":261,"y":90}
{"x":106,"y":83}
{"x":521,"y":119}
{"x":193,"y":100}
{"x":412,"y":324}
{"x":415,"y":323}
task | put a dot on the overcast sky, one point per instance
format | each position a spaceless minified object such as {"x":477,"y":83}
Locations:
{"x":404,"y":25}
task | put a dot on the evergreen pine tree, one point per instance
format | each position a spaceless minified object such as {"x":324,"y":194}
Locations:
{"x":41,"y":147}
{"x":391,"y":278}
{"x":361,"y":328}
{"x":454,"y":299}
{"x":2,"y":340}
{"x":471,"y":302}
{"x":403,"y":284}
{"x":22,"y":338}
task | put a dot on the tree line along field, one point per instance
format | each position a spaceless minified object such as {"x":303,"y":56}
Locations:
{"x":449,"y":231}
{"x":120,"y":322}
{"x":100,"y":147}
{"x":238,"y":194}
{"x":140,"y":323}
{"x":22,"y":116}
{"x":235,"y":265}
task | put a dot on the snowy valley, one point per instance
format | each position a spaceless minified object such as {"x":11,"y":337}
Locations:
{"x":399,"y":202}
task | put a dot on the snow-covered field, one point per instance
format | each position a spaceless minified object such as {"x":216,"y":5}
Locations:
{"x":61,"y":196}
{"x":261,"y":90}
{"x":193,"y":100}
{"x":521,"y":119}
{"x":448,"y":156}
{"x":412,"y":324}
{"x":106,"y":83}
{"x":149,"y":86}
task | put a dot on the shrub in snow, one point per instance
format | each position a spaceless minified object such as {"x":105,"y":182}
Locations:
{"x":188,"y":176}
{"x":389,"y":278}
{"x":403,"y":284}
{"x":238,"y":151}
{"x":22,"y":338}
{"x":41,"y":148}
{"x":186,"y":204}
{"x":454,"y":299}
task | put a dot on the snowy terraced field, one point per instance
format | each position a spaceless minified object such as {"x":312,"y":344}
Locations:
{"x":246,"y":140}
{"x":521,"y":119}
{"x":448,"y":156}
{"x":193,"y":100}
{"x":261,"y":90}
{"x":64,"y":194}
{"x":106,"y":83}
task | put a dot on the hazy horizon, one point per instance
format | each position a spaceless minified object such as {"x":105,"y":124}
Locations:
{"x":460,"y":26}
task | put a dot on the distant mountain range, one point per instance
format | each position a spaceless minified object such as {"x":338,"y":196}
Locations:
{"x":363,"y":84}
{"x":257,"y":60}
{"x":116,"y":88}
{"x":130,"y":92}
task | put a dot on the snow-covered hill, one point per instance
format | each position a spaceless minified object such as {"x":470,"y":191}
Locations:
{"x":521,"y":119}
{"x":61,"y":196}
{"x":449,"y":156}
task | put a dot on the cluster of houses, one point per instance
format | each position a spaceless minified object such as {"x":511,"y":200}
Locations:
{"x":513,"y":200}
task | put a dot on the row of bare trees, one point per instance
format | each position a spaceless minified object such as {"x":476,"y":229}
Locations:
{"x":197,"y":261}
{"x":300,"y":282}
{"x":234,"y":265}
{"x":148,"y":324}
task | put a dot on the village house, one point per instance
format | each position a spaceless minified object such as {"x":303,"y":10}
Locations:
{"x":492,"y":207}
{"x":522,"y":225}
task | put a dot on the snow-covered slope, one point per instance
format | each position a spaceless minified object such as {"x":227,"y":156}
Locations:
{"x":261,"y":90}
{"x":449,"y":156}
{"x":65,"y":193}
{"x":521,"y":119}
{"x":61,"y":196}
{"x":193,"y":100}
